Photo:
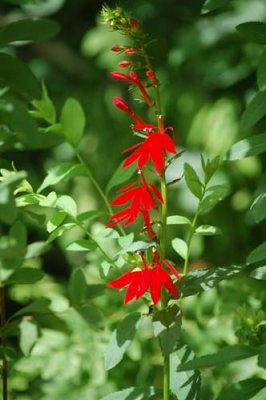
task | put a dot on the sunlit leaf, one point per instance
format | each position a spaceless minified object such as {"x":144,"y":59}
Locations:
{"x":207,"y":230}
{"x":259,"y":273}
{"x":61,"y":172}
{"x":180,"y":246}
{"x":67,"y":204}
{"x":28,"y":336}
{"x":177,"y":220}
{"x":82,"y":245}
{"x":192,"y":180}
{"x":258,"y":207}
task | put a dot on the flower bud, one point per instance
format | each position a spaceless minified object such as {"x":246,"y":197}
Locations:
{"x":121,"y":104}
{"x":130,"y":51}
{"x":125,"y":64}
{"x":119,"y":76}
{"x":151,"y":74}
{"x":117,"y":48}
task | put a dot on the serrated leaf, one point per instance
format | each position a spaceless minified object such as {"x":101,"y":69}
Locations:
{"x":25,"y":275}
{"x":255,"y":110}
{"x":82,"y":245}
{"x":133,"y":393}
{"x":177,"y":220}
{"x":211,"y":5}
{"x":73,"y":121}
{"x":77,"y":287}
{"x":28,"y":336}
{"x":223,"y":356}
{"x":254,"y":31}
{"x":121,"y":339}
{"x":206,"y":278}
{"x":167,"y":325}
{"x":186,"y":384}
{"x":18,"y":77}
{"x":61,"y":172}
{"x":92,"y":315}
{"x":207,"y":230}
{"x":32,"y":30}
{"x":243,"y":390}
{"x":192,"y":180}
{"x":258,"y":254}
{"x":261,"y":72}
{"x":67,"y":204}
{"x":120,"y":176}
{"x":180,"y":246}
{"x":251,"y":146}
{"x":40,"y":305}
{"x":258,"y":207}
{"x":259,"y":273}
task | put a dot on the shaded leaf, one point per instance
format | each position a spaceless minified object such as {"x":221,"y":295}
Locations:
{"x":243,"y":390}
{"x":28,"y":336}
{"x":258,"y":254}
{"x":180,"y":246}
{"x":88,"y":216}
{"x":137,"y":246}
{"x":45,"y":107}
{"x":177,"y":220}
{"x":92,"y":315}
{"x":121,"y":339}
{"x":254,"y":31}
{"x":120,"y":176}
{"x":261,"y":72}
{"x":225,"y":355}
{"x":73,"y":121}
{"x":262,"y":357}
{"x":255,"y":110}
{"x":258,"y":207}
{"x":25,"y":275}
{"x":192,"y":180}
{"x":132,"y":393}
{"x":82,"y":245}
{"x":93,"y":291}
{"x":38,"y":306}
{"x":251,"y":146}
{"x":77,"y":287}
{"x":211,"y":5}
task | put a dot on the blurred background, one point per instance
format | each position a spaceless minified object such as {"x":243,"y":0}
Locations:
{"x":208,"y":75}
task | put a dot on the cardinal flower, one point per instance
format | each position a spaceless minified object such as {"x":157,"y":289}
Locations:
{"x":153,"y":148}
{"x":141,"y":198}
{"x":149,"y":276}
{"x":139,"y":124}
{"x":134,"y":79}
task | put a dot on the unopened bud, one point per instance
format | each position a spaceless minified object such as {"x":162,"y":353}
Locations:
{"x":121,"y":104}
{"x":130,"y":51}
{"x":117,"y":48}
{"x":151,"y":74}
{"x":125,"y":64}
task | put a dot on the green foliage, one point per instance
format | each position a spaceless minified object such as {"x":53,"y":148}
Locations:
{"x":134,"y":393}
{"x":73,"y":121}
{"x":254,"y":31}
{"x":243,"y":390}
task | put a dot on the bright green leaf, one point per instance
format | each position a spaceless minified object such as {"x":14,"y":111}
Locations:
{"x":55,"y":221}
{"x":137,"y":246}
{"x":125,"y":241}
{"x":261,"y":72}
{"x":33,"y":30}
{"x":192,"y":180}
{"x":28,"y":336}
{"x":226,"y":355}
{"x":255,"y":110}
{"x":36,"y":249}
{"x":248,"y":147}
{"x":45,"y":107}
{"x":254,"y":31}
{"x":73,"y":121}
{"x":243,"y":390}
{"x":60,"y":231}
{"x":82,"y":245}
{"x":259,"y":273}
{"x":258,"y":254}
{"x":207,"y":230}
{"x":178,"y":220}
{"x":67,"y":204}
{"x":61,"y":172}
{"x":121,"y":339}
{"x":180,"y":246}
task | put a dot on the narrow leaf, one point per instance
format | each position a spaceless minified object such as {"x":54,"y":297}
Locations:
{"x":180,"y":246}
{"x":38,"y":306}
{"x":121,"y":339}
{"x":77,"y":287}
{"x":192,"y":180}
{"x":120,"y":176}
{"x":255,"y":110}
{"x":62,"y":172}
{"x":25,"y":275}
{"x":258,"y":207}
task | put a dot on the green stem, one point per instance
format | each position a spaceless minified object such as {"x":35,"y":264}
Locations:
{"x":4,"y":343}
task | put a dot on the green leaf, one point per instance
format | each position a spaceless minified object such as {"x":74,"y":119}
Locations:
{"x":8,"y":210}
{"x":258,"y":254}
{"x":25,"y":275}
{"x":186,"y":384}
{"x":210,"y":200}
{"x":177,"y":220}
{"x":254,"y":31}
{"x":28,"y":336}
{"x":33,"y":30}
{"x":60,"y":230}
{"x":93,"y":291}
{"x":262,"y":357}
{"x":38,"y":306}
{"x":206,"y":278}
{"x":45,"y":107}
{"x":223,"y":356}
{"x":211,"y":5}
{"x":192,"y":180}
{"x":88,"y":216}
{"x":62,"y":172}
{"x":137,"y":246}
{"x":18,"y":77}
{"x":261,"y":72}
{"x":210,"y":167}
{"x":121,"y":339}
{"x":125,"y":241}
{"x":258,"y":207}
{"x":167,"y":325}
{"x":180,"y":246}
{"x":255,"y":110}
{"x":251,"y":146}
{"x":82,"y":245}
{"x":19,"y":232}
{"x":55,"y":221}
{"x":92,"y":315}
{"x":207,"y":230}
{"x":132,"y":393}
{"x":120,"y":176}
{"x":259,"y":273}
{"x":77,"y":287}
{"x":243,"y":390}
{"x":73,"y":121}
{"x":67,"y":204}
{"x":36,"y":249}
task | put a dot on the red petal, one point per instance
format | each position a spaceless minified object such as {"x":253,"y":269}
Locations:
{"x":172,"y":268}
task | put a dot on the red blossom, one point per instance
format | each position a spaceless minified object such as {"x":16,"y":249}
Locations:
{"x":126,"y":63}
{"x":151,"y":277}
{"x":141,"y":198}
{"x":151,"y":74}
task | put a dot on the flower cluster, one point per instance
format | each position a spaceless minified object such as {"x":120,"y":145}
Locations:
{"x":140,"y":197}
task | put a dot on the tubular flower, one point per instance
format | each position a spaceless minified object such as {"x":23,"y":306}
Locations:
{"x":150,"y":277}
{"x":134,"y":79}
{"x":141,"y":197}
{"x":139,"y":125}
{"x":153,"y":148}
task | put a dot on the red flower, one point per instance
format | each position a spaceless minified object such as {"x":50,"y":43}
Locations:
{"x":142,"y":278}
{"x":153,"y":148}
{"x":134,"y":79}
{"x":141,"y":199}
{"x":140,"y":125}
